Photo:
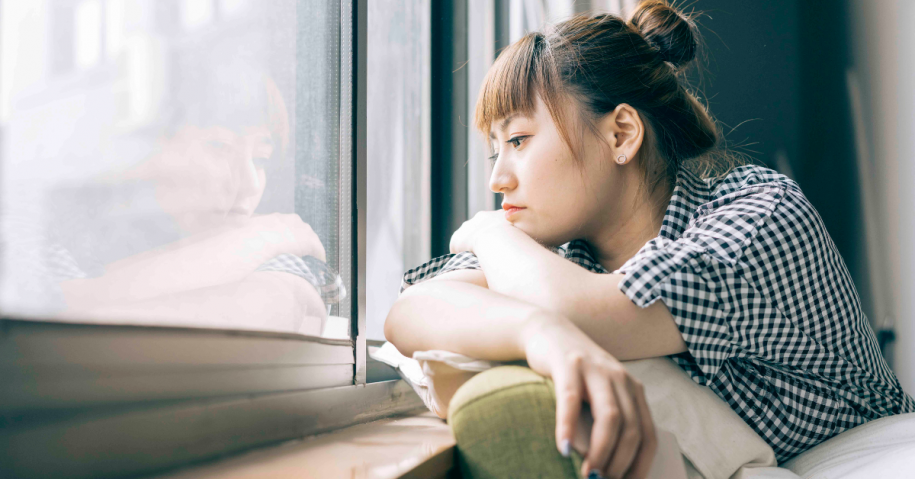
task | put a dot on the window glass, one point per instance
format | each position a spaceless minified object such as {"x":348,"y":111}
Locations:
{"x":174,"y":162}
{"x":398,"y":150}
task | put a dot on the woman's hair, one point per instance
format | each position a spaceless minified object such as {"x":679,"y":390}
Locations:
{"x":599,"y":61}
{"x":226,"y":83}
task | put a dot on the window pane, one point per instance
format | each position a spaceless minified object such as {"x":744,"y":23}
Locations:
{"x":398,"y":150}
{"x":174,"y":162}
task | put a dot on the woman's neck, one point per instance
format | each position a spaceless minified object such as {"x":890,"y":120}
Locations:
{"x":622,"y":240}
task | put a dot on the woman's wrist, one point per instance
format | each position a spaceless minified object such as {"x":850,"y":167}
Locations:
{"x":496,"y":231}
{"x":536,"y":331}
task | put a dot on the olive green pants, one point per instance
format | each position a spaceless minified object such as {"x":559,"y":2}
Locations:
{"x":504,"y":422}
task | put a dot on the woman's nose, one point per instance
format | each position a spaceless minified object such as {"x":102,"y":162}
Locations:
{"x":502,"y":179}
{"x":249,"y":180}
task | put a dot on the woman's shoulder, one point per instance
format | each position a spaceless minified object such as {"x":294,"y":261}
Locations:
{"x":746,"y":178}
{"x":730,"y":210}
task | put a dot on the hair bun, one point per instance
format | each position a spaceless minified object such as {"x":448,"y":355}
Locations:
{"x":665,"y":28}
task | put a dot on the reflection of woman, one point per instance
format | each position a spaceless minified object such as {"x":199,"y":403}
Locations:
{"x":233,"y":268}
{"x":592,"y":130}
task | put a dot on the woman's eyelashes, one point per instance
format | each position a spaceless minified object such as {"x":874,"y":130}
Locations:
{"x":514,"y":141}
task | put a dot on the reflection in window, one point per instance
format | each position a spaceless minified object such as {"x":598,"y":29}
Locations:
{"x":148,"y":166}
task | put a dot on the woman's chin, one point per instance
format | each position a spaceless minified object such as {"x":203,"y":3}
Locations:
{"x":550,"y":239}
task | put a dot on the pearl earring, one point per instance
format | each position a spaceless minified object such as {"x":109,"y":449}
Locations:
{"x":621,"y":159}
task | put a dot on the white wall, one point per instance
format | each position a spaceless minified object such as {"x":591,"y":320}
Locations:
{"x":883,"y":44}
{"x":398,"y":235}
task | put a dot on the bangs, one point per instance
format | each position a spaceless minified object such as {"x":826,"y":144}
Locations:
{"x":512,"y":82}
{"x":509,"y":85}
{"x":522,"y":71}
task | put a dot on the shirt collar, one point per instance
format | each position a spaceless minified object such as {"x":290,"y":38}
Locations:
{"x":689,"y":192}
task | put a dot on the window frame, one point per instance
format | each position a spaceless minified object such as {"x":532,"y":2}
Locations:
{"x":141,"y":399}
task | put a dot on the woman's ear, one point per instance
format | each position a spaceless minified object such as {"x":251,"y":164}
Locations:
{"x":624,"y":131}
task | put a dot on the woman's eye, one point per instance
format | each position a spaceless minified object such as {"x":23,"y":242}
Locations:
{"x":221,"y":146}
{"x":493,"y":158}
{"x":516,"y":141}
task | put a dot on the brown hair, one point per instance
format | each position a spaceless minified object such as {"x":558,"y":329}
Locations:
{"x":599,"y":61}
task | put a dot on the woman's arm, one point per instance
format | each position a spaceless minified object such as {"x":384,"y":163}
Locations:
{"x":264,"y":299}
{"x":227,"y":257}
{"x":599,"y":309}
{"x":517,"y":266}
{"x":458,"y":317}
{"x":474,"y":321}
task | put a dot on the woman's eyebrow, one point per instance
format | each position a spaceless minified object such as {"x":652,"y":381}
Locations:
{"x":504,"y":125}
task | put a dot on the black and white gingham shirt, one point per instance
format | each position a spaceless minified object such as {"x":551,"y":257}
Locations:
{"x":772,"y":322}
{"x":319,"y":274}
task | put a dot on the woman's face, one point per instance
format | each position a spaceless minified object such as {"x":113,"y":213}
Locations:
{"x":561,"y":199}
{"x":207,"y":176}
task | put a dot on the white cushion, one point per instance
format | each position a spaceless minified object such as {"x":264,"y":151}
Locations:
{"x":881,"y":448}
{"x":715,"y":440}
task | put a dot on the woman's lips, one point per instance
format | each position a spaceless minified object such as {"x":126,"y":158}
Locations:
{"x":511,"y":210}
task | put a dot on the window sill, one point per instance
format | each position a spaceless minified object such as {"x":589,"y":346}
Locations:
{"x":142,"y":400}
{"x":417,"y":446}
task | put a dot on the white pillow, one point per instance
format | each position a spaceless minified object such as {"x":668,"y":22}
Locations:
{"x":881,"y":448}
{"x":715,"y":440}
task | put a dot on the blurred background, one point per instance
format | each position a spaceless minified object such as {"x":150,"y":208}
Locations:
{"x":819,"y":91}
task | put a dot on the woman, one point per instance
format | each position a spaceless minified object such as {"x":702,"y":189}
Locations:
{"x":602,"y":155}
{"x":188,"y":249}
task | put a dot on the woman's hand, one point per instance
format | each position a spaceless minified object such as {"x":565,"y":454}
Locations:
{"x":287,"y":233}
{"x":260,"y":238}
{"x":623,"y":441}
{"x":463,"y":239}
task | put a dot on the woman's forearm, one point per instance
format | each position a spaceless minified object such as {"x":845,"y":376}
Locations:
{"x":517,"y":266}
{"x":210,"y":262}
{"x":459,"y":317}
{"x":269,"y":300}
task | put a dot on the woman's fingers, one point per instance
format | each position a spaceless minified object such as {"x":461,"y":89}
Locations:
{"x":622,"y":436}
{"x":630,"y":438}
{"x":607,"y":421}
{"x":644,"y":458}
{"x":568,"y":402}
{"x":307,"y":239}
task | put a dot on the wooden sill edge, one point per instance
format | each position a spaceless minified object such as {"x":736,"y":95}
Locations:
{"x":411,"y":447}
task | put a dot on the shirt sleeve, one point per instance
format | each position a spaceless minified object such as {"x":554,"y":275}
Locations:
{"x":699,"y":276}
{"x":439,"y":265}
{"x":319,"y":274}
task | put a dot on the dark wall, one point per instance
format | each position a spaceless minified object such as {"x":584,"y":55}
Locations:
{"x":449,"y":134}
{"x":777,"y":69}
{"x":750,"y":74}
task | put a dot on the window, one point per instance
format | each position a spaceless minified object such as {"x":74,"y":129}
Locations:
{"x":182,"y":251}
{"x":398,"y":150}
{"x":174,"y":174}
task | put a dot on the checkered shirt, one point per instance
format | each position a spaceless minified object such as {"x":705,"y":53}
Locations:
{"x":326,"y":281}
{"x":772,"y":322}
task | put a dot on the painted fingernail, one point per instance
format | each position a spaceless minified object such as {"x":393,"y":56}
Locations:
{"x":595,"y":474}
{"x":564,"y":448}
